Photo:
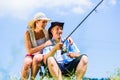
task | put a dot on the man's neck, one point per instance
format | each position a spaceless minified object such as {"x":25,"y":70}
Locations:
{"x":57,"y":40}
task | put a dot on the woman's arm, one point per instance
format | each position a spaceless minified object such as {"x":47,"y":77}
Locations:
{"x":28,"y":44}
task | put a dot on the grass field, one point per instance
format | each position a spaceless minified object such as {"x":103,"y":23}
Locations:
{"x":113,"y":76}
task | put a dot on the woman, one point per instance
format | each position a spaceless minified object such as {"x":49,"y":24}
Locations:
{"x":34,"y":52}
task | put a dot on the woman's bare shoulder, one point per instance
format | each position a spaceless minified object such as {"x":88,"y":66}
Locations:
{"x":26,"y":34}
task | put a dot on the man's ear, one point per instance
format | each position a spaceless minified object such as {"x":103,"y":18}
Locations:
{"x":51,"y":30}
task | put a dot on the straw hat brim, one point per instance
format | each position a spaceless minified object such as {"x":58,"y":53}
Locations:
{"x":31,"y":22}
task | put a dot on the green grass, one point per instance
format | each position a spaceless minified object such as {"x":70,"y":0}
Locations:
{"x":115,"y":75}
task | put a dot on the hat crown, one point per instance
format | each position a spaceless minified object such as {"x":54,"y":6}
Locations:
{"x":40,"y":16}
{"x":57,"y":23}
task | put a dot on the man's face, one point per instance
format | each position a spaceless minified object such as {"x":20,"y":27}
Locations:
{"x":56,"y":32}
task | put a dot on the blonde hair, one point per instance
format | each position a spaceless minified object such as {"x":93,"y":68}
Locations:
{"x":32,"y":24}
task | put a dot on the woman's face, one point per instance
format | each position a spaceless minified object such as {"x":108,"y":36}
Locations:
{"x":40,"y":24}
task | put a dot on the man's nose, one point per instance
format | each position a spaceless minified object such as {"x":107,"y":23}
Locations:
{"x":60,"y":30}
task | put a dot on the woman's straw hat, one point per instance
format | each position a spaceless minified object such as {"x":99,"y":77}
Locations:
{"x":38,"y":16}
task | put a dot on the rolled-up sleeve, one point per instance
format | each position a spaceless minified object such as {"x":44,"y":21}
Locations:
{"x":46,"y":50}
{"x":73,"y":48}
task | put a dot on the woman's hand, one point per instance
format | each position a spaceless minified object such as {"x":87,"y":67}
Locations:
{"x":48,"y":43}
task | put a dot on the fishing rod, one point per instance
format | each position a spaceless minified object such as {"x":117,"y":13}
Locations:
{"x":82,"y":21}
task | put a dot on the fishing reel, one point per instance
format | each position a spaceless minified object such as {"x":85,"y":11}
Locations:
{"x":63,"y":49}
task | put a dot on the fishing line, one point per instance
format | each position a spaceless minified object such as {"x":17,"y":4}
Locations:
{"x":83,"y":21}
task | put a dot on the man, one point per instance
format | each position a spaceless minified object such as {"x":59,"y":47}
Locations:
{"x":63,"y":58}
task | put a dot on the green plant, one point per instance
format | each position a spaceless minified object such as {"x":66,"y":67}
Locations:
{"x":116,"y":74}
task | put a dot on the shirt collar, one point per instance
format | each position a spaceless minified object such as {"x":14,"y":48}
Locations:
{"x":53,"y":41}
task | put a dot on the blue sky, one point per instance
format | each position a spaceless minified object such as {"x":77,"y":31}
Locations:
{"x":98,"y":36}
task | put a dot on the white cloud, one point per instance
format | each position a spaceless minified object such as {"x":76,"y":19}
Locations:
{"x":112,"y":2}
{"x":23,"y":8}
{"x":15,"y":8}
{"x":78,"y":10}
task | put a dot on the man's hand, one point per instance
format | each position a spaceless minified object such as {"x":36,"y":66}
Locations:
{"x":71,"y":55}
{"x":58,"y":46}
{"x":70,"y":40}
